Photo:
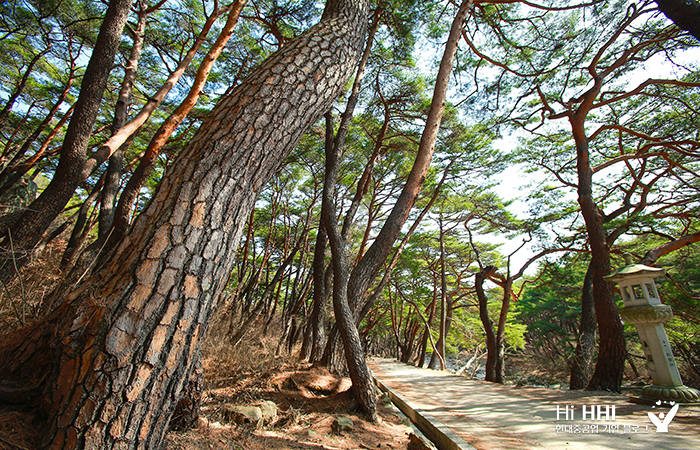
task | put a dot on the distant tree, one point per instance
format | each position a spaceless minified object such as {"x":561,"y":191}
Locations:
{"x":580,"y":74}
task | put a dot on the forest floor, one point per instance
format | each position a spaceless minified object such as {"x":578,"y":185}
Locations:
{"x":308,"y":399}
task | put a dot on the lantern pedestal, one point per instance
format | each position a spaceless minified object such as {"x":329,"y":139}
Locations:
{"x":668,"y":385}
{"x":644,"y":309}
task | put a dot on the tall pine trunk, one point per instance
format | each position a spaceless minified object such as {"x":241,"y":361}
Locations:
{"x":122,"y":345}
{"x":612,"y":350}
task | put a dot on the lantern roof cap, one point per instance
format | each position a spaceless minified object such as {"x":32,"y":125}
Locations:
{"x":634,"y":270}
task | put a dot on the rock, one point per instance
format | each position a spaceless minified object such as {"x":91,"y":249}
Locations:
{"x":243,"y":414}
{"x":269,"y":412}
{"x":416,"y":443}
{"x":341,"y":424}
{"x":312,"y":434}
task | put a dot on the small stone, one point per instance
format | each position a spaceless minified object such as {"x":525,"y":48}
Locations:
{"x":341,"y":424}
{"x":416,"y":443}
{"x":269,"y":412}
{"x":312,"y":434}
{"x":243,"y":414}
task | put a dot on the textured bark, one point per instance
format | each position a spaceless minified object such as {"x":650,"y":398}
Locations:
{"x":186,"y":411}
{"x":126,"y":341}
{"x":27,"y":231}
{"x":583,"y":363}
{"x":118,"y":226}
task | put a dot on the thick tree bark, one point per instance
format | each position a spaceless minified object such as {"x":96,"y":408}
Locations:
{"x":119,"y":223}
{"x":583,"y":363}
{"x":125,"y":341}
{"x":27,"y":231}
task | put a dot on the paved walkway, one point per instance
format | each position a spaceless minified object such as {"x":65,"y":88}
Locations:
{"x":494,"y":417}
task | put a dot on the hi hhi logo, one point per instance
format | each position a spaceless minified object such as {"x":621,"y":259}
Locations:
{"x":592,"y":419}
{"x":588,"y":412}
{"x":660,"y":421}
{"x":583,"y":420}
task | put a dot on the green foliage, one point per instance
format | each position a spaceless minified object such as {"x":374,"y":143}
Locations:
{"x":550,"y":307}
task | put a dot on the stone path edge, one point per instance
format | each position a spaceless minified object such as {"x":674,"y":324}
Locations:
{"x":433,"y":429}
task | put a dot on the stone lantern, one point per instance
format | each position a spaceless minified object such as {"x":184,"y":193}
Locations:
{"x":644,"y":309}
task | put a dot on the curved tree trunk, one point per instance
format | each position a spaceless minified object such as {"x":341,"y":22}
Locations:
{"x":125,"y":341}
{"x":501,"y":330}
{"x":491,"y":347}
{"x":317,"y":325}
{"x":612,"y":350}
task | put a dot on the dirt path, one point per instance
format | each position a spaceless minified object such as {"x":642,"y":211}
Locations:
{"x":494,"y":417}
